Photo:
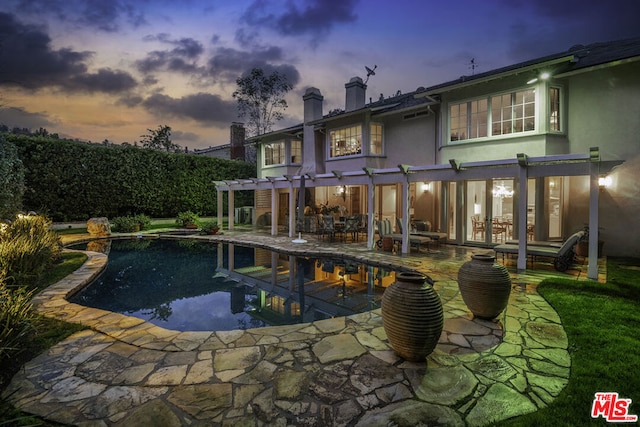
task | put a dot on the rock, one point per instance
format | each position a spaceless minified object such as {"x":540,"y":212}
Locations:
{"x":99,"y":226}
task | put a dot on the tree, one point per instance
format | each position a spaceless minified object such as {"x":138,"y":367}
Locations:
{"x":261,"y":99}
{"x":160,"y":139}
{"x":11,"y":179}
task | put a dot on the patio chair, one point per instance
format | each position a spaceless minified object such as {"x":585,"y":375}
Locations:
{"x":351,"y":226}
{"x":330,"y":228}
{"x":415,"y":235}
{"x":423,"y":228}
{"x":562,"y":256}
{"x":384,"y":230}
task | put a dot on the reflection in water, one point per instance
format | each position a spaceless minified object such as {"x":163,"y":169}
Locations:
{"x":190,"y":285}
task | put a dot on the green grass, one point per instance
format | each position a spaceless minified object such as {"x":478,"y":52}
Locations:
{"x":602,"y":322}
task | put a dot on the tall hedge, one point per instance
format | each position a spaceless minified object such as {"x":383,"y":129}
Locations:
{"x":70,"y":180}
{"x":11,"y":179}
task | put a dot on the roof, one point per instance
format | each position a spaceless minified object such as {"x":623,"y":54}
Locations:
{"x":292,"y":130}
{"x":578,"y":57}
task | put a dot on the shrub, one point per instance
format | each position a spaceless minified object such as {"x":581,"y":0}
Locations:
{"x":27,"y":247}
{"x":11,"y":179}
{"x":16,"y":319}
{"x":143,"y":220}
{"x":187,"y":218}
{"x":125,"y":224}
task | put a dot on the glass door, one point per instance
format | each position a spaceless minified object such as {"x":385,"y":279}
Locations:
{"x":489,"y":210}
{"x":476,"y":211}
{"x":501,"y":225}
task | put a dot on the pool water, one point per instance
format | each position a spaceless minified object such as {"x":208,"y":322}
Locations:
{"x":190,"y":285}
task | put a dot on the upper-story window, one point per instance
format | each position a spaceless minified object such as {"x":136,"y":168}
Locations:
{"x":507,"y":113}
{"x":296,"y":151}
{"x":375,"y":147}
{"x":554,"y":109}
{"x":346,"y":141}
{"x":274,"y":153}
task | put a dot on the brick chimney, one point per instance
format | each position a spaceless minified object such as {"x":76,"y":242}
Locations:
{"x":312,"y":151}
{"x":236,"y":140}
{"x":356,"y":91}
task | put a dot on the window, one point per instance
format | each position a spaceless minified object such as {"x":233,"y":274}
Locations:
{"x":346,"y":141}
{"x":296,"y":151}
{"x":274,"y":153}
{"x":554,"y":109}
{"x":510,"y":113}
{"x":375,"y":148}
{"x":513,"y":112}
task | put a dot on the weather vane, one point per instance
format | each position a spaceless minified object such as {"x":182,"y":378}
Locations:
{"x":370,"y":72}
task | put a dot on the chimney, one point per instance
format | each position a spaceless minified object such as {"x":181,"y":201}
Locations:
{"x":312,"y":151}
{"x":356,"y":91}
{"x":237,"y":138}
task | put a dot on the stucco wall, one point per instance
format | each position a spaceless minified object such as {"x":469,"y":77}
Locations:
{"x":604,"y":112}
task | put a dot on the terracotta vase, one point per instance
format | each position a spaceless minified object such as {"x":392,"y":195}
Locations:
{"x":412,"y":316}
{"x":484,"y":285}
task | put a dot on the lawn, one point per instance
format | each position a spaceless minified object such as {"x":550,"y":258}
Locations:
{"x":602,"y":322}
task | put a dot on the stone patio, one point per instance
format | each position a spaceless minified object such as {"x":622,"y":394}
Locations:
{"x":341,"y":371}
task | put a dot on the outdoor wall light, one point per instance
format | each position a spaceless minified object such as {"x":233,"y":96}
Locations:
{"x":605,"y":181}
{"x":543,"y":76}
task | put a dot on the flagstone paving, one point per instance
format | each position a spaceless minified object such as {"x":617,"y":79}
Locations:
{"x":341,"y":371}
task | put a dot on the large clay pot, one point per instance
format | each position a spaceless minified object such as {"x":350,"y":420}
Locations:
{"x":484,"y":285}
{"x":412,"y":316}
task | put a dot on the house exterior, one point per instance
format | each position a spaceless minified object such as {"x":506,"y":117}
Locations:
{"x":516,"y":151}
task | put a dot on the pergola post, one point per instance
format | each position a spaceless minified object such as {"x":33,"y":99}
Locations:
{"x":405,"y":209}
{"x":594,"y":200}
{"x":292,"y":210}
{"x":523,"y":176}
{"x":219,"y":200}
{"x":231,"y":212}
{"x":371,"y":191}
{"x":274,"y":210}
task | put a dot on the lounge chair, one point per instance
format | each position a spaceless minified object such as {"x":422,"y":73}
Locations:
{"x":384,"y":230}
{"x":423,"y":228}
{"x":562,"y":256}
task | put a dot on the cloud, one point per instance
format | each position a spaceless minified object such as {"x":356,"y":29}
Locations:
{"x":28,"y":60}
{"x":182,"y":58}
{"x":229,"y":63}
{"x":313,"y":17}
{"x":105,"y":80}
{"x":19,"y":117}
{"x":96,"y":14}
{"x":202,"y":107}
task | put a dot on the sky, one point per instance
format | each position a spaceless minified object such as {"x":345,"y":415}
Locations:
{"x":111,"y":70}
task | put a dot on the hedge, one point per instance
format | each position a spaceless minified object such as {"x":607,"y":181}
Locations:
{"x":71,"y":180}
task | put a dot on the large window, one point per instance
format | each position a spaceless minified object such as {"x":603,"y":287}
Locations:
{"x":346,"y":141}
{"x":274,"y":153}
{"x":508,"y":113}
{"x":513,"y":112}
{"x":375,"y":148}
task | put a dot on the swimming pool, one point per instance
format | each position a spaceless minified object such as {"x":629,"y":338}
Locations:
{"x":190,"y":285}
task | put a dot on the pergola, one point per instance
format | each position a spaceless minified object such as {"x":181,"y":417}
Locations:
{"x":521,"y":169}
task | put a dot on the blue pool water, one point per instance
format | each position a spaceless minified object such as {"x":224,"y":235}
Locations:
{"x":190,"y":285}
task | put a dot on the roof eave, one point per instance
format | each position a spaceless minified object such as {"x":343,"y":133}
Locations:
{"x":434,"y":90}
